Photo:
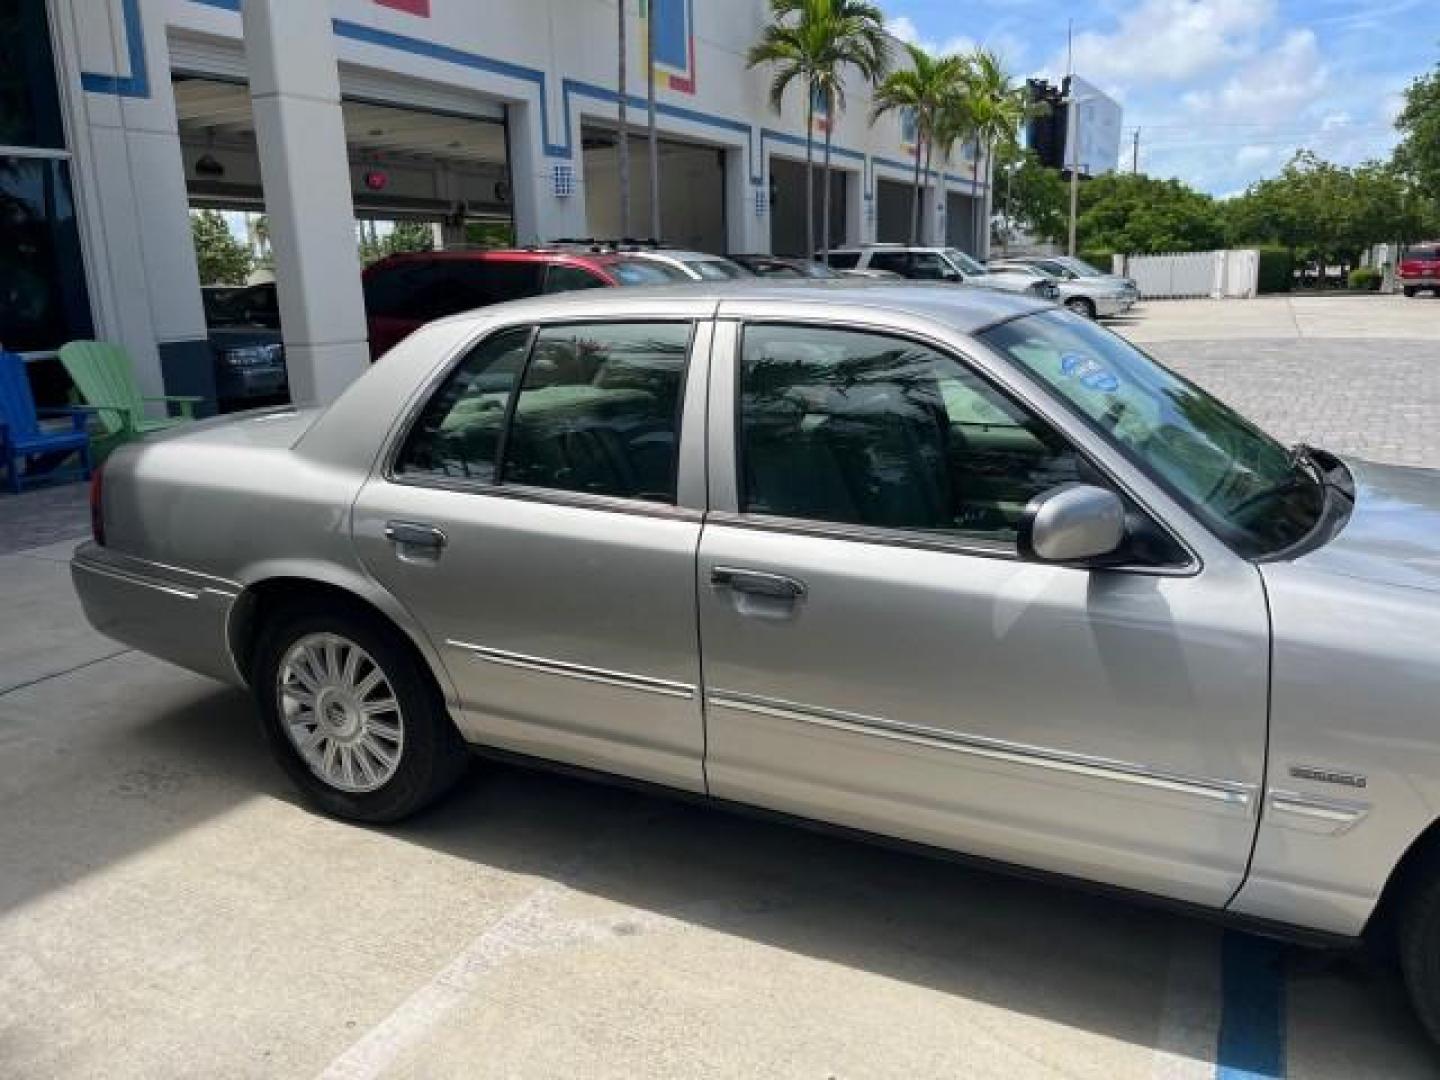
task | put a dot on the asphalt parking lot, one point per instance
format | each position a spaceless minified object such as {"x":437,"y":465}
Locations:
{"x":168,"y":909}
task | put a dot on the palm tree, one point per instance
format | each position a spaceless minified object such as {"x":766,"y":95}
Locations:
{"x":923,"y":89}
{"x":623,"y":145}
{"x":998,"y":107}
{"x":825,"y":38}
{"x":954,"y":123}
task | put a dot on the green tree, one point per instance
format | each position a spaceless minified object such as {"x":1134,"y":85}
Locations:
{"x":1034,"y":197}
{"x":995,"y":107}
{"x":1418,"y":155}
{"x":405,"y":236}
{"x":222,"y":259}
{"x":1140,"y":214}
{"x":1328,"y":213}
{"x":814,"y":43}
{"x":924,"y":90}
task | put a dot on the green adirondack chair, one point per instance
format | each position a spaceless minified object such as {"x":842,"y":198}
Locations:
{"x":103,"y":374}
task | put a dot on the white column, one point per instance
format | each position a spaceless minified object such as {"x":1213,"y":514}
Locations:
{"x":855,"y":203}
{"x":749,"y":232}
{"x":295,"y":94}
{"x":130,"y":193}
{"x":540,"y":214}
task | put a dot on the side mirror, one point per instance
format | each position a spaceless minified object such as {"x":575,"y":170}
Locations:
{"x":1073,"y":523}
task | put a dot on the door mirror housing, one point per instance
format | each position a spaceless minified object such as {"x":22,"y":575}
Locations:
{"x":1074,"y":524}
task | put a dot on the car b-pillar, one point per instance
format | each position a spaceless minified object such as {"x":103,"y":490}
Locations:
{"x":300,"y":133}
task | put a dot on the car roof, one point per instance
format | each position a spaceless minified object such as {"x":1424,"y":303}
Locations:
{"x":964,"y":309}
{"x":538,"y":254}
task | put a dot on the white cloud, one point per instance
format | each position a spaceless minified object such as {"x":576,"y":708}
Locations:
{"x":1172,"y":40}
{"x":1274,"y":86}
{"x":1010,"y":47}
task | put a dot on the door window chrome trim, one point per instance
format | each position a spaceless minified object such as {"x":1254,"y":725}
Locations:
{"x":581,"y":500}
{"x":630,"y":681}
{"x":908,"y":538}
{"x":699,"y":338}
{"x":920,"y":541}
{"x":1229,"y":793}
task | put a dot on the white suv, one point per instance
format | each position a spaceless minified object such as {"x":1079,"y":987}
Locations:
{"x":939,"y":264}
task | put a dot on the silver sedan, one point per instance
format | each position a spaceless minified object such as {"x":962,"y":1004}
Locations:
{"x":944,"y":565}
{"x":1092,"y":297}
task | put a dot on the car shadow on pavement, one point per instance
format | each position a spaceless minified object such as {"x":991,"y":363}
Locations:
{"x":1092,"y":963}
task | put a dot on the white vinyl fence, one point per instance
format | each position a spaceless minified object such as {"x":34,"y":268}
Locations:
{"x":1194,"y":274}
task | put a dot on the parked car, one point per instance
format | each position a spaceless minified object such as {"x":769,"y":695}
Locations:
{"x":783,"y":266}
{"x":1091,"y":297}
{"x":404,"y":292}
{"x":243,"y":326}
{"x":951,"y":566}
{"x":1069,"y":268}
{"x":938,"y":264}
{"x":695,"y":265}
{"x":1419,"y":269}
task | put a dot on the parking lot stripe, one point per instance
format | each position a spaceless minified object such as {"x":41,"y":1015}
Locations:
{"x":1252,"y":1021}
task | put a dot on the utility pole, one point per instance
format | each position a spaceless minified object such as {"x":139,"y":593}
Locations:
{"x":1072,"y":124}
{"x":1135,"y":155}
{"x":624,"y":143}
{"x":654,"y":132}
{"x":1072,"y":114}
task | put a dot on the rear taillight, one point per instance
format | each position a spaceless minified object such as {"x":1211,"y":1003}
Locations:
{"x":97,"y":505}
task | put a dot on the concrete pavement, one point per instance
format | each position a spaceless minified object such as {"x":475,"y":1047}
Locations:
{"x":1278,"y":318}
{"x":168,"y":909}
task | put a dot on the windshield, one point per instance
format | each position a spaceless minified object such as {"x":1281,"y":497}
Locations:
{"x":1080,"y":268}
{"x":968,"y":266}
{"x":717,"y":269}
{"x":1252,"y":491}
{"x":635,"y":272}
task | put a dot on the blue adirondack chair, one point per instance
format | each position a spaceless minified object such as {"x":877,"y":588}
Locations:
{"x":28,"y":450}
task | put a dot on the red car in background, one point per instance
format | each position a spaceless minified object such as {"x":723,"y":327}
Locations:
{"x":404,"y":292}
{"x":1420,"y":269}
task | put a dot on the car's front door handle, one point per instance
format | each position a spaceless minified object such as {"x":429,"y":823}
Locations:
{"x":415,"y":534}
{"x":757,"y":583}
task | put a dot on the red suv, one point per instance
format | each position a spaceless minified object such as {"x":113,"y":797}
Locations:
{"x":403,"y":292}
{"x":1420,"y":269}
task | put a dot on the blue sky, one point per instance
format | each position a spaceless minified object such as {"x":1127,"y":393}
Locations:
{"x":1224,"y":91}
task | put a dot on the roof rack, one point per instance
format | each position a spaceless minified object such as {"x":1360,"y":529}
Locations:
{"x":599,"y":244}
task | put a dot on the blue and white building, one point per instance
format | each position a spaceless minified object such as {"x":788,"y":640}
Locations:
{"x":119,"y":116}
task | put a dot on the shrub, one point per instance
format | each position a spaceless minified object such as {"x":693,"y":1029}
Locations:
{"x":1366,"y":278}
{"x":1101,"y":260}
{"x":1277,"y":271}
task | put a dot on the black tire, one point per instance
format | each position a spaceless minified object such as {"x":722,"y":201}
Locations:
{"x":432,"y":756}
{"x":1410,"y":290}
{"x":1081,"y":305}
{"x":1417,"y":938}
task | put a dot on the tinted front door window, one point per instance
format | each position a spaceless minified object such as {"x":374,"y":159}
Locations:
{"x":599,"y":411}
{"x":868,"y":429}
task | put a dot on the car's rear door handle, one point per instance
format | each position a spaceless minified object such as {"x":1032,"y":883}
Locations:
{"x":414,"y":534}
{"x":757,"y":583}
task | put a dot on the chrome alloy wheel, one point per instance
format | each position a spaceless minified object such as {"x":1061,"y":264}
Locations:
{"x":340,"y":711}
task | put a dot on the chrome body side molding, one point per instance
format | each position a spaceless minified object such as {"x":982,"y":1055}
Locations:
{"x":628,"y":680}
{"x":1226,"y":793}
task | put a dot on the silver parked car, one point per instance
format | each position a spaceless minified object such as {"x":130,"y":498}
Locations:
{"x":1070,"y":268}
{"x":1094,"y":298}
{"x":941,"y":564}
{"x":938,"y":264}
